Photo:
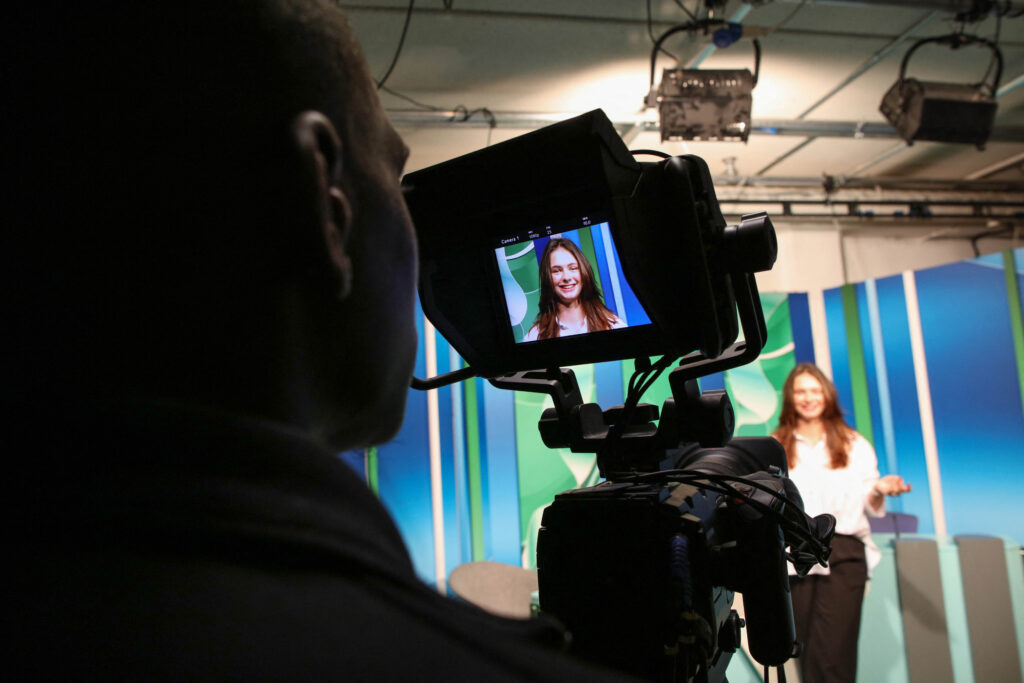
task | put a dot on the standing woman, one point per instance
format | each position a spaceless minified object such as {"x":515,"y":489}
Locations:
{"x":570,"y":300}
{"x":836,"y":470}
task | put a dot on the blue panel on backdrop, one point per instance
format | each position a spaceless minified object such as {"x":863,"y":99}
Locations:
{"x":975,"y":397}
{"x":1018,"y":261}
{"x":539,"y":245}
{"x":906,"y":418}
{"x":608,"y":384}
{"x":502,"y":477}
{"x":713,"y":381}
{"x":635,"y":313}
{"x":800,"y":324}
{"x":995,"y":260}
{"x":1018,"y":265}
{"x":404,"y":475}
{"x":356,"y":460}
{"x":836,"y":323}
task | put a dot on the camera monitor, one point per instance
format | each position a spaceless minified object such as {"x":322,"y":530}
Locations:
{"x":558,"y":248}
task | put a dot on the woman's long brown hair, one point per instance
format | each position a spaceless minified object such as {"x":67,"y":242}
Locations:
{"x":838,"y":434}
{"x":598,"y":315}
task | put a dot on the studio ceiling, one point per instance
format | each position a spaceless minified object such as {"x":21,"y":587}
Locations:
{"x":824,"y":70}
{"x":825,"y":67}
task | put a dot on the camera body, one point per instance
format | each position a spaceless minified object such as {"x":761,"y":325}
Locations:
{"x":643,"y":573}
{"x":514,"y":241}
{"x":628,"y":568}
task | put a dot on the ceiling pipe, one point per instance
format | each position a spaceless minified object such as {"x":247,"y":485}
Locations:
{"x":416,"y":118}
{"x":997,"y":167}
{"x":874,"y":199}
{"x":974,"y":8}
{"x":952,"y":6}
{"x":834,"y":184}
{"x":870,"y":62}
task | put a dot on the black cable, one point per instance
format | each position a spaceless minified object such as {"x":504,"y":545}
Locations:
{"x":642,"y":380}
{"x":398,"y":51}
{"x":650,"y":32}
{"x":791,"y":529}
{"x":757,"y":61}
{"x":995,"y":41}
{"x":692,"y":26}
{"x":639,"y":383}
{"x":655,"y":373}
{"x":460,"y":112}
{"x":787,"y":19}
{"x":651,"y":152}
{"x":722,"y":483}
{"x":415,"y":103}
{"x":956,"y":41}
{"x":467,"y":114}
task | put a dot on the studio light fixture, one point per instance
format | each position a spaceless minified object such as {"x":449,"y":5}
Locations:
{"x":944,"y":112}
{"x":705,"y":104}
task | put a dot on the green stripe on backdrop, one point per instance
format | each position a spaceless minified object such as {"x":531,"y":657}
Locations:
{"x":858,"y":370}
{"x":587,"y":247}
{"x":1016,"y":324}
{"x":372,"y":471}
{"x":473,"y":473}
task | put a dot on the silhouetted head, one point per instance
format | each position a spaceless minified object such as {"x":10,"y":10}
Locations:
{"x":203,"y":197}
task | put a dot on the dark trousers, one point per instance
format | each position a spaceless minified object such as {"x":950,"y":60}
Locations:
{"x":826,"y":610}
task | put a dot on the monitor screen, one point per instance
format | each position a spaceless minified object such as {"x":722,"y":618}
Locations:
{"x":565,"y":279}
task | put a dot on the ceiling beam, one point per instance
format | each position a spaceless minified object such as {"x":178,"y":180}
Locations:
{"x":412,"y":118}
{"x":975,"y":8}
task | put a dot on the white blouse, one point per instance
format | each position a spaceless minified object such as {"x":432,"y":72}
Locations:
{"x":565,"y":330}
{"x":844,"y":493}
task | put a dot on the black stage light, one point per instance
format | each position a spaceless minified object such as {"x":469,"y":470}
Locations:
{"x":943,"y":112}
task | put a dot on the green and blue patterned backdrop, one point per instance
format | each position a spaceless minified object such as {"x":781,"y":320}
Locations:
{"x":494,"y":476}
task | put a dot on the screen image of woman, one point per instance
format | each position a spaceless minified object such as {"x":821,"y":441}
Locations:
{"x":570,"y":300}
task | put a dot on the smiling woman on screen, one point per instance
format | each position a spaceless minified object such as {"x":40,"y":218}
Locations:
{"x":570,"y":300}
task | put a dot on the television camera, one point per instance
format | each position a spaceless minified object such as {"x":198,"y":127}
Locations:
{"x":559,"y":248}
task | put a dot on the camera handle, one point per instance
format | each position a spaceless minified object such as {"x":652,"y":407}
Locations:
{"x":688,"y":416}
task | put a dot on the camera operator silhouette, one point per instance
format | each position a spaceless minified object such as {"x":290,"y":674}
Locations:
{"x":570,"y":300}
{"x":209,"y":285}
{"x":836,"y":471}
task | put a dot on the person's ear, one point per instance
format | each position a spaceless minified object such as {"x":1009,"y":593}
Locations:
{"x":327,"y":233}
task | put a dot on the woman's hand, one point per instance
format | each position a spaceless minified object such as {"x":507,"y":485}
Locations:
{"x":891,"y":485}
